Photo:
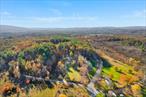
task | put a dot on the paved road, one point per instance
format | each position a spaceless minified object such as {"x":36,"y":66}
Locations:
{"x":90,"y":86}
{"x":32,"y":78}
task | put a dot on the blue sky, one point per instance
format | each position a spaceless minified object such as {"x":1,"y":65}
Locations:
{"x":72,"y":13}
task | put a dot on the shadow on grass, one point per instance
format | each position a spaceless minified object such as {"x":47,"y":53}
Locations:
{"x":106,"y":64}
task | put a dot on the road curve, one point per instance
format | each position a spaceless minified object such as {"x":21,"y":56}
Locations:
{"x":90,"y":86}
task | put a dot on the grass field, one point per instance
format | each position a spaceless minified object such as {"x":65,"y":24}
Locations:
{"x":118,"y":71}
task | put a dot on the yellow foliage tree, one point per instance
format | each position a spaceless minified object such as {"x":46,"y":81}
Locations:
{"x":62,"y":95}
{"x":136,"y":89}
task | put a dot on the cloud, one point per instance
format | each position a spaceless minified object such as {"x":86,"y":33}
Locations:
{"x":63,"y":19}
{"x":137,"y":14}
{"x":47,"y":19}
{"x":55,"y":11}
{"x":66,"y":3}
{"x":140,"y":13}
{"x":5,"y":13}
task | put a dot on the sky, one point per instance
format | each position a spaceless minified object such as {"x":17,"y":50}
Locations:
{"x":72,"y":13}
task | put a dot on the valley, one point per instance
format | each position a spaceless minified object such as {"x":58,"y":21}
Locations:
{"x":66,"y":66}
{"x":72,"y":48}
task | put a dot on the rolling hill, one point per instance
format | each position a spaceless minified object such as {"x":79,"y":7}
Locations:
{"x":76,"y":30}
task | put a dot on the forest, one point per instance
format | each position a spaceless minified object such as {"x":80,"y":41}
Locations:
{"x":60,"y":66}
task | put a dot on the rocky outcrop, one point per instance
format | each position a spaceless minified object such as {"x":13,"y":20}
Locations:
{"x":50,"y":63}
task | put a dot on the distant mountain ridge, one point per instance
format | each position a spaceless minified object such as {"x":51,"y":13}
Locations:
{"x":75,"y":30}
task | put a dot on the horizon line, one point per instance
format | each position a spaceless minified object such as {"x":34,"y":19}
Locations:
{"x":72,"y":27}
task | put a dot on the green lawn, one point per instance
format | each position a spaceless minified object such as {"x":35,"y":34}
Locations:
{"x":111,"y":71}
{"x":124,"y":69}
